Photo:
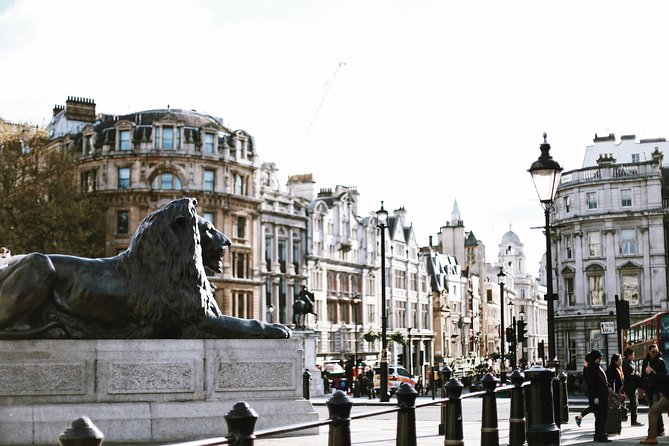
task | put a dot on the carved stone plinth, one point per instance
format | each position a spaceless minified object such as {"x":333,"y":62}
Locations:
{"x":147,"y":390}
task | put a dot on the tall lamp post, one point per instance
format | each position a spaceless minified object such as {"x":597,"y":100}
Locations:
{"x":356,"y":302}
{"x":502,"y":367}
{"x":382,"y":222}
{"x":546,"y":174}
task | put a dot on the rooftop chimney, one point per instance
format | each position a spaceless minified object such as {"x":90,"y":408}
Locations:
{"x":80,"y":109}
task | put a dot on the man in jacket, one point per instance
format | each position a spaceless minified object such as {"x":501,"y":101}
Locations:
{"x":598,"y":395}
{"x":630,"y":384}
{"x":658,"y":369}
{"x":660,"y":384}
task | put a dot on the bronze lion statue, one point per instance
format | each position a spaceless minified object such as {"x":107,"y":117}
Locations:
{"x":157,"y":288}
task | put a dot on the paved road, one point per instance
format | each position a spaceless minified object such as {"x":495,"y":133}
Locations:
{"x":380,"y":430}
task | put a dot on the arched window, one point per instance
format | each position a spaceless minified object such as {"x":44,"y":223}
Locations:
{"x":166,"y":181}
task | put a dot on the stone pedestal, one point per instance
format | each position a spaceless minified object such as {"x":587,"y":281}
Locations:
{"x":309,"y":346}
{"x":147,"y":390}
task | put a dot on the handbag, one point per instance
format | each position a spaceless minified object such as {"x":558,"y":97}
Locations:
{"x":614,"y":400}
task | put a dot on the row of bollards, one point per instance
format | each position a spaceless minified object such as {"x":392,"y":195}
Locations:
{"x":527,"y":400}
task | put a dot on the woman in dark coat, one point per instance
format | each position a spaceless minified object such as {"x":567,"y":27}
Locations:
{"x":598,"y":395}
{"x":614,"y":373}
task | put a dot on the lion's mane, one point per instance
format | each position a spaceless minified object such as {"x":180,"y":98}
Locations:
{"x":168,"y":287}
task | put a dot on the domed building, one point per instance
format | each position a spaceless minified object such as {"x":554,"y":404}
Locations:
{"x":141,"y":160}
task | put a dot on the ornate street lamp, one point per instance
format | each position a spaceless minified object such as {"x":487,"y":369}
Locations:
{"x":502,"y":367}
{"x":382,"y":223}
{"x":546,"y":173}
{"x":356,"y":303}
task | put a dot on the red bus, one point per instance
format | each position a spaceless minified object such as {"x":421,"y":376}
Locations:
{"x":654,"y":330}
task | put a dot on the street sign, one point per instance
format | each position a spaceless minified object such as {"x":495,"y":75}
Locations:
{"x":608,"y":327}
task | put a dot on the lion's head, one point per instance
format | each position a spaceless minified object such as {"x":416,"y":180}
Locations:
{"x":214,"y":244}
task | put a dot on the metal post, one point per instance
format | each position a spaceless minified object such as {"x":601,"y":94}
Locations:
{"x":453,"y":432}
{"x":385,"y":396}
{"x":445,"y":378}
{"x":306,"y":380}
{"x":564,"y":402}
{"x":339,"y":410}
{"x":541,"y":428}
{"x":517,"y":416}
{"x":406,"y":416}
{"x":82,"y":433}
{"x":241,"y":421}
{"x":502,"y":367}
{"x":489,"y":429}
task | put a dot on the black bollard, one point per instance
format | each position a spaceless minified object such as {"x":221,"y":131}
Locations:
{"x":489,"y":428}
{"x":564,"y":398}
{"x":82,"y":433}
{"x":241,"y":421}
{"x":517,"y":416}
{"x":406,"y":416}
{"x":339,"y":410}
{"x":453,"y":428}
{"x":557,"y":405}
{"x":446,"y":374}
{"x":541,"y":428}
{"x":306,"y":382}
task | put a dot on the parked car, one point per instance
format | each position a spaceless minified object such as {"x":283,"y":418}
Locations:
{"x":396,"y":376}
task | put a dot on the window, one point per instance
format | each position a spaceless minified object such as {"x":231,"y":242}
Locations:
{"x":122,"y":222}
{"x":240,"y":185}
{"x":569,"y":289}
{"x":628,"y":241}
{"x":241,"y":227}
{"x":282,"y":256}
{"x":89,"y":181}
{"x":240,"y":265}
{"x":167,"y":137}
{"x":636,"y":158}
{"x":124,"y":140}
{"x":594,"y":244}
{"x":124,"y":178}
{"x":242,"y":304}
{"x":209,"y":216}
{"x":297,"y":258}
{"x":592,"y":200}
{"x":568,"y":246}
{"x":596,"y":289}
{"x":166,"y":181}
{"x":626,"y":198}
{"x":401,"y":308}
{"x":209,"y":180}
{"x":567,"y":204}
{"x":630,"y":282}
{"x":400,"y":279}
{"x":208,"y":143}
{"x":268,"y":253}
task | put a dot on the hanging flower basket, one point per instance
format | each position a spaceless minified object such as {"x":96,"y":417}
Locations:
{"x":398,"y":337}
{"x":371,"y":336}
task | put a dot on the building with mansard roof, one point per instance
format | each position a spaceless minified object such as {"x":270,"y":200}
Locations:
{"x":139,"y":161}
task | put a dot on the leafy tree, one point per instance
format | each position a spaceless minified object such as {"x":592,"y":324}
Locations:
{"x":41,"y":206}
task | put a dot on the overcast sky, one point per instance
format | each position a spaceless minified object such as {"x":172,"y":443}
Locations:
{"x":417,"y":103}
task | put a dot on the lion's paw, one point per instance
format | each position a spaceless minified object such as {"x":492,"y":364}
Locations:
{"x":277,"y":331}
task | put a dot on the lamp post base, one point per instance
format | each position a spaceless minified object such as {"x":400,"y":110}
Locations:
{"x":384,"y":396}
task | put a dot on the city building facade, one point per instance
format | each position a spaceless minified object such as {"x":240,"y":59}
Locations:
{"x":609,"y":240}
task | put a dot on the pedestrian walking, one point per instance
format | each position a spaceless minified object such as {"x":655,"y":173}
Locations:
{"x":590,"y":408}
{"x":598,"y":395}
{"x":661,"y":387}
{"x":631,"y":382}
{"x":652,"y":377}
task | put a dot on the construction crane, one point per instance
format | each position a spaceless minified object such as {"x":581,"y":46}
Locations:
{"x":326,"y":90}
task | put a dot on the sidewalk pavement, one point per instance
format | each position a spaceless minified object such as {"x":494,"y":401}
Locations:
{"x":381,"y":430}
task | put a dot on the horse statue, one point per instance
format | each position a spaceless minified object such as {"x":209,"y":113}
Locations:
{"x":302,"y":306}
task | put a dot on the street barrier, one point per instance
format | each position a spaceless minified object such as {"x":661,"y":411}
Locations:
{"x":530,"y":390}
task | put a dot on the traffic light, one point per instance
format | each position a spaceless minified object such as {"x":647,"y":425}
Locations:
{"x":522,"y":331}
{"x":542,"y":350}
{"x":623,"y":313}
{"x":510,"y":335}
